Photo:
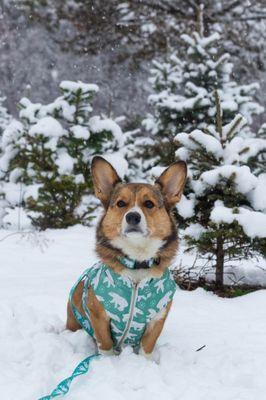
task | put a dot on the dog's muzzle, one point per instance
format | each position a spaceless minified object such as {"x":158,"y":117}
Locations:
{"x":133,"y":220}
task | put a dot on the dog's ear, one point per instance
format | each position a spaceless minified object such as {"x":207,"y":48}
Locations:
{"x":104,"y":178}
{"x":172,"y":182}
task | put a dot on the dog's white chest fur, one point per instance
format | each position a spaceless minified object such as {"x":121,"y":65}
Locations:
{"x":138,"y":247}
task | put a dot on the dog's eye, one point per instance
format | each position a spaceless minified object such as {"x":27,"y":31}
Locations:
{"x":121,"y":203}
{"x":148,"y":204}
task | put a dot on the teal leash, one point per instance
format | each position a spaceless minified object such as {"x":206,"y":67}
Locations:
{"x":82,"y":368}
{"x":63,"y":387}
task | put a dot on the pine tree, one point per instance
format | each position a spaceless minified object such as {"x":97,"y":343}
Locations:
{"x":183,"y":93}
{"x":224,"y":211}
{"x":259,"y":162}
{"x":49,"y":153}
{"x":5,"y":117}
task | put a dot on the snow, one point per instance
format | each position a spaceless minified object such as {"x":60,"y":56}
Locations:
{"x":11,"y":133}
{"x":209,"y":143}
{"x":240,"y":149}
{"x":65,"y":163}
{"x":16,"y":215}
{"x":235,"y":151}
{"x":98,"y":125}
{"x":178,"y":103}
{"x":155,"y":172}
{"x":36,"y":352}
{"x":32,"y":191}
{"x":245,"y":181}
{"x":258,"y":195}
{"x":13,"y":192}
{"x":185,"y":207}
{"x":118,"y":162}
{"x":30,"y":111}
{"x":80,"y":132}
{"x":71,"y":86}
{"x":200,"y":42}
{"x":15,"y":175}
{"x":253,"y":223}
{"x":47,"y":126}
{"x":194,"y":231}
{"x":236,"y":124}
{"x":183,"y":90}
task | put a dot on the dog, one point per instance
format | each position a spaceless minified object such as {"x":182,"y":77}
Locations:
{"x":125,"y":297}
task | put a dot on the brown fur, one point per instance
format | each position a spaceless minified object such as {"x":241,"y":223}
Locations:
{"x":159,"y":219}
{"x":109,"y":189}
{"x":151,"y":335}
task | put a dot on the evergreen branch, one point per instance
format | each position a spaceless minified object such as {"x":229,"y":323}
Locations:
{"x":200,"y":23}
{"x":258,"y":17}
{"x":219,"y":126}
{"x":203,"y":155}
{"x":243,"y":151}
{"x":231,"y":6}
{"x":234,"y":127}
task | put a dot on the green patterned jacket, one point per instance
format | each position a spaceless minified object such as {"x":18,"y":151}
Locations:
{"x":130,"y":306}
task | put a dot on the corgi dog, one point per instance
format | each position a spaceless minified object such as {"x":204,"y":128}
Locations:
{"x":137,"y":227}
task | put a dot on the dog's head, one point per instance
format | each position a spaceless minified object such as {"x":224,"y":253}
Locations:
{"x":137,"y":219}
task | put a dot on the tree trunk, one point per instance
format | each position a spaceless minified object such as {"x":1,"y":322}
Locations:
{"x":219,"y":269}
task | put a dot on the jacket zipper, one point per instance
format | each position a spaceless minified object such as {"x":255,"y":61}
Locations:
{"x":131,"y":312}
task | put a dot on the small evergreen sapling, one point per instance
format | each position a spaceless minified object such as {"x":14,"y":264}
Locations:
{"x":223,"y":212}
{"x":49,"y":153}
{"x":183,"y":95}
{"x":5,"y":117}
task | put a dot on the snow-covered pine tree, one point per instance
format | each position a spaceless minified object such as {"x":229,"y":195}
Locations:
{"x":224,"y":212}
{"x":183,"y":94}
{"x":259,"y":162}
{"x":49,"y":152}
{"x":5,"y":117}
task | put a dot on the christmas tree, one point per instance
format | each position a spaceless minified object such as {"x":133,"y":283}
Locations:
{"x":48,"y":153}
{"x":5,"y":117}
{"x":183,"y":96}
{"x":223,"y":212}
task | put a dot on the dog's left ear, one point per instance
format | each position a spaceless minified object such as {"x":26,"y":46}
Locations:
{"x":104,"y":178}
{"x":172,"y":182}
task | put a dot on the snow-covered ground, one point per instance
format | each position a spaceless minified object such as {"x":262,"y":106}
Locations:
{"x":36,"y":273}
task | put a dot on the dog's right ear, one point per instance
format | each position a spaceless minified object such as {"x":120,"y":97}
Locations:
{"x":104,"y":178}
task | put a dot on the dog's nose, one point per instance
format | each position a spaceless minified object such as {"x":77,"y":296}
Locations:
{"x":133,"y":218}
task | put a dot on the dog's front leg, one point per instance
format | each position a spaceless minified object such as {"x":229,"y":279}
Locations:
{"x":101,"y":324}
{"x":153,"y":331}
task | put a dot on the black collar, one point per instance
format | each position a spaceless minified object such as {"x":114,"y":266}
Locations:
{"x":134,"y":264}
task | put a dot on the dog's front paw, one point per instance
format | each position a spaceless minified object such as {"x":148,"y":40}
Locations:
{"x":143,"y":353}
{"x":153,"y":356}
{"x":107,"y":352}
